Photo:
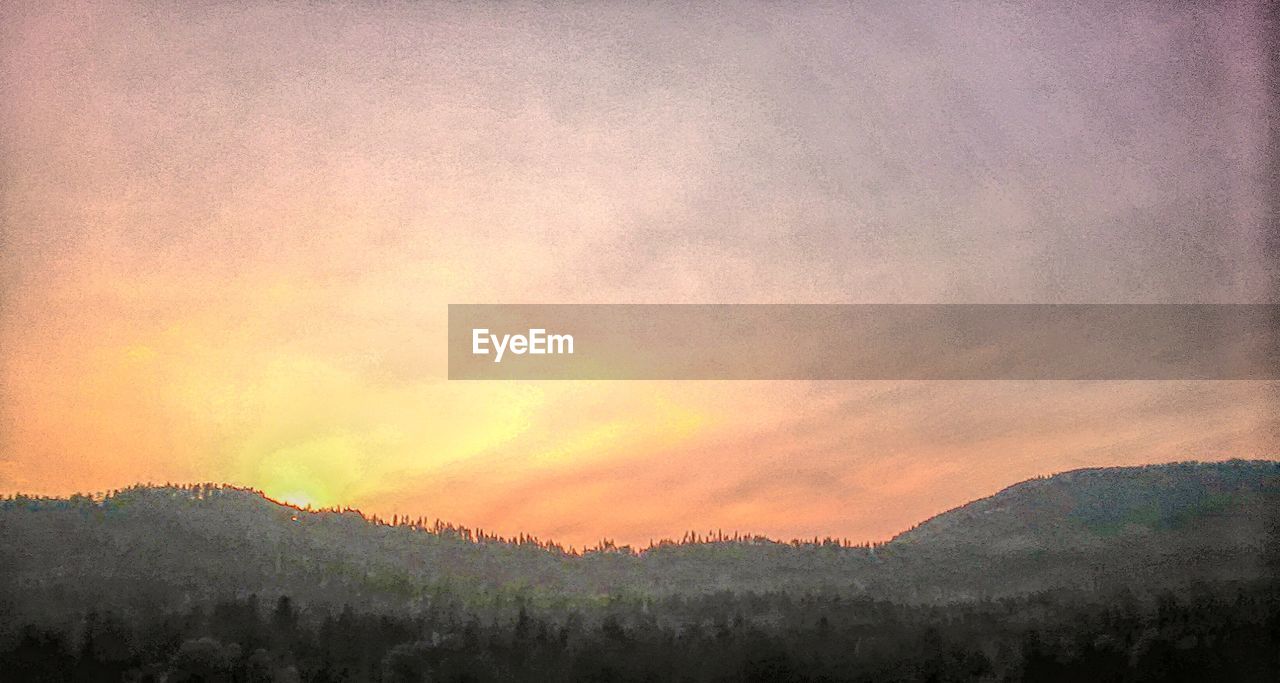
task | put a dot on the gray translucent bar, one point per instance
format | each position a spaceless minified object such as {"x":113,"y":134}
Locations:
{"x":866,"y":342}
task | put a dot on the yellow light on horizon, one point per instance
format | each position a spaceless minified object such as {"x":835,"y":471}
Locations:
{"x":300,"y":499}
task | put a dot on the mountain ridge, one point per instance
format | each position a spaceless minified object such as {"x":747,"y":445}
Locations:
{"x":1089,"y":529}
{"x":606,"y":544}
{"x":1272,"y":467}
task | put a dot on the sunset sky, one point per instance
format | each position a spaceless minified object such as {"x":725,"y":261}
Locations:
{"x":230,"y":233}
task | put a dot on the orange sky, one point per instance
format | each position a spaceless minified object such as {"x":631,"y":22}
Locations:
{"x":229,"y":237}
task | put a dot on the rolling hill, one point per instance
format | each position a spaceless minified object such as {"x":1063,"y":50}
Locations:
{"x":148,"y":547}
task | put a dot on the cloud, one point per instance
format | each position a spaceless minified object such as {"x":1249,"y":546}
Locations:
{"x":277,"y":200}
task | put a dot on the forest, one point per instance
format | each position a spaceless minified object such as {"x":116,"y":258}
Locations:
{"x":1209,"y":633}
{"x":1152,"y":573}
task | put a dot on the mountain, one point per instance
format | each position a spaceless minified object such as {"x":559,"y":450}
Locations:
{"x":1158,"y":525}
{"x":146,"y":547}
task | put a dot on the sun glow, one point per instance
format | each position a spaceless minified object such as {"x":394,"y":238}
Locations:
{"x":296,"y":498}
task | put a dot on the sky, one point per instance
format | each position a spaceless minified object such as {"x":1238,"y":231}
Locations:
{"x":230,"y":233}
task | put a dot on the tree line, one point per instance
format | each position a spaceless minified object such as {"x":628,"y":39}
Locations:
{"x":1202,"y":633}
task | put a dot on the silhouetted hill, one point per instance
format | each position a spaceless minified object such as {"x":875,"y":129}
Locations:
{"x":1157,"y":525}
{"x":154,"y":547}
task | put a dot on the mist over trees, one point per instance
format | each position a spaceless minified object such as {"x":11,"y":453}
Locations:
{"x":1153,"y":573}
{"x":1206,"y":633}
